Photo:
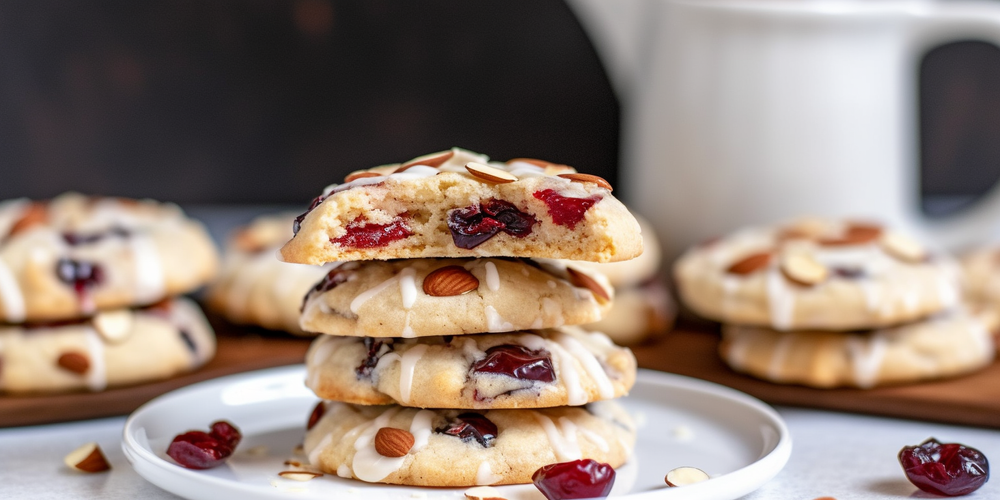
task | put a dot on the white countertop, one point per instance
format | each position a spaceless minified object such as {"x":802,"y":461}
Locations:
{"x":838,"y":455}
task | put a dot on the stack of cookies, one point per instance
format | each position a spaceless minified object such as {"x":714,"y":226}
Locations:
{"x":447,"y":355}
{"x":87,"y":292}
{"x":829,"y":303}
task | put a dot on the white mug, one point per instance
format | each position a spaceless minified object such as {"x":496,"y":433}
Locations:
{"x":742,"y":112}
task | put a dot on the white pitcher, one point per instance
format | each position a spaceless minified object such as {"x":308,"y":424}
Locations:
{"x":741,"y":112}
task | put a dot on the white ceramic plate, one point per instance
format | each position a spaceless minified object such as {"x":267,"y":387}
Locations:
{"x":741,"y":442}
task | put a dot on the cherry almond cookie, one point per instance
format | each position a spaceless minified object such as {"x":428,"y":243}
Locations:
{"x":457,"y":203}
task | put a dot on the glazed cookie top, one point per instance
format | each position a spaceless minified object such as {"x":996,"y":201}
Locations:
{"x":816,"y":273}
{"x":429,"y":297}
{"x":457,"y":203}
{"x":73,"y":255}
{"x":545,"y":368}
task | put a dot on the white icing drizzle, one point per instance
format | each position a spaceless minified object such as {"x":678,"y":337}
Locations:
{"x":314,"y":453}
{"x":781,"y":299}
{"x":319,"y":353}
{"x":485,"y":475}
{"x":367,"y":464}
{"x":553,"y":310}
{"x":408,"y":287}
{"x":421,"y":428}
{"x":371,"y":292}
{"x":533,"y":342}
{"x":778,"y":357}
{"x":495,"y":323}
{"x":866,"y":356}
{"x":407,"y":329}
{"x":97,"y":377}
{"x":563,"y":441}
{"x":590,"y":364}
{"x":149,"y":277}
{"x":595,"y":438}
{"x":566,"y":370}
{"x":407,"y":364}
{"x":10,"y":295}
{"x":343,"y":470}
{"x":492,"y":276}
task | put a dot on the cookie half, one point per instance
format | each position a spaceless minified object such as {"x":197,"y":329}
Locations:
{"x":459,"y":204}
{"x":74,"y":255}
{"x":817,"y":274}
{"x":431,"y":297}
{"x":540,"y":369}
{"x":256,"y":288}
{"x":460,"y":448}
{"x":951,"y":345}
{"x":114,"y":348}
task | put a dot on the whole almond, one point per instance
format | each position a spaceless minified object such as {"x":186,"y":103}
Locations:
{"x":392,"y":442}
{"x":490,"y":174}
{"x":74,"y":362}
{"x":577,"y":177}
{"x":903,"y":248}
{"x":582,"y":280}
{"x":431,"y":160}
{"x":449,"y":281}
{"x":360,"y":175}
{"x":34,"y":214}
{"x":802,"y":269}
{"x":750,"y":263}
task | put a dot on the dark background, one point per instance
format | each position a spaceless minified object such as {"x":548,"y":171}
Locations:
{"x":267,"y":101}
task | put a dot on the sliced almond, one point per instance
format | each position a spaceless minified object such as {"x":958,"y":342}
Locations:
{"x":683,"y":476}
{"x":577,"y":177}
{"x":483,"y":493}
{"x":903,"y":248}
{"x":582,"y":280}
{"x":299,"y":475}
{"x":36,"y":213}
{"x":803,"y":269}
{"x":87,"y":458}
{"x":449,"y":281}
{"x":114,"y":326}
{"x":392,"y":442}
{"x":360,"y":174}
{"x":490,"y":174}
{"x":74,"y":362}
{"x":431,"y":160}
{"x":532,"y":161}
{"x":855,"y":234}
{"x":750,"y":263}
{"x":316,"y":414}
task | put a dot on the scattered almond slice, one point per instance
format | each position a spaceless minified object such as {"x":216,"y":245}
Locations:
{"x":114,"y":326}
{"x":583,"y":280}
{"x":577,"y":177}
{"x":802,"y":269}
{"x":750,"y":263}
{"x":903,"y":248}
{"x":430,"y":160}
{"x":87,"y":458}
{"x":449,"y":281}
{"x":361,"y":174}
{"x":683,"y":476}
{"x":490,"y":174}
{"x":483,"y":493}
{"x":299,"y":475}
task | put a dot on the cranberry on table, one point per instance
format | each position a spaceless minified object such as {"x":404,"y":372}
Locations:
{"x":949,"y":469}
{"x":585,"y":478}
{"x":204,"y":450}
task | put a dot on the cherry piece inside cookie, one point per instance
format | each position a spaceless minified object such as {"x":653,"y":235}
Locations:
{"x":518,"y":362}
{"x":566,"y":211}
{"x":376,"y":349}
{"x":363,"y":234}
{"x":473,"y":225}
{"x":469,"y":426}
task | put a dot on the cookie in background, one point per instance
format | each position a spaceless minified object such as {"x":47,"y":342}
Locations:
{"x":254,"y":286}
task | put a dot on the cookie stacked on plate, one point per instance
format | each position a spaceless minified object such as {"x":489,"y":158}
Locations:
{"x":447,"y":355}
{"x":830,"y":303}
{"x":87,"y":293}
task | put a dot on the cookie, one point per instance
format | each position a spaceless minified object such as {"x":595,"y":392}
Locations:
{"x":540,"y":369}
{"x":981,"y":276}
{"x":462,"y":448}
{"x":430,"y":297}
{"x":816,"y":274}
{"x":114,"y":348}
{"x":946,"y":346}
{"x":638,"y":314}
{"x":74,"y":255}
{"x":459,"y":204}
{"x":254,"y":287}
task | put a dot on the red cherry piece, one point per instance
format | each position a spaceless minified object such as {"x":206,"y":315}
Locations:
{"x":204,"y":450}
{"x":362,"y":234}
{"x":469,"y":426}
{"x":566,"y":211}
{"x":517,"y":361}
{"x":585,"y":478}
{"x":473,"y":225}
{"x":949,"y":469}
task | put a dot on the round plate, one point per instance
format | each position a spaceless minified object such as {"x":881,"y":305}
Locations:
{"x":738,"y":440}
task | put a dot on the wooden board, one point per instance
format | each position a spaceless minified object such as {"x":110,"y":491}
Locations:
{"x":970,"y":400}
{"x":239,"y":350}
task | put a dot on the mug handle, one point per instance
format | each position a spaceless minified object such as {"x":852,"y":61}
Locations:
{"x":933,"y":24}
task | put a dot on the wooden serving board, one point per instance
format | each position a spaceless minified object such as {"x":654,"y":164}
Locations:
{"x":239,"y":350}
{"x":691,"y":350}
